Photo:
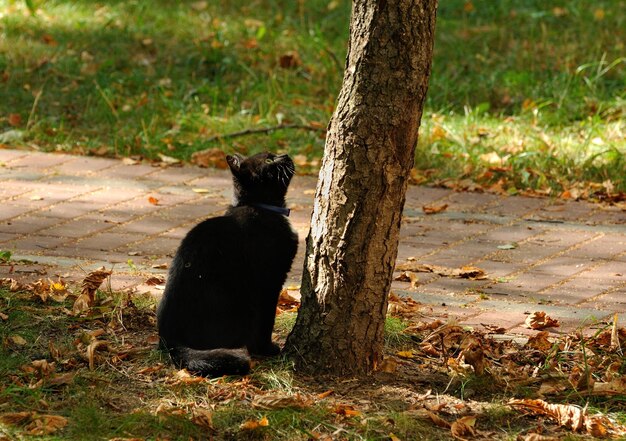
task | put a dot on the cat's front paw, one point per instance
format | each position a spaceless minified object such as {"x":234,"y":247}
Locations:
{"x":268,"y":350}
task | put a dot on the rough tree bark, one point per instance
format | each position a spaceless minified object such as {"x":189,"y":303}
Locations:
{"x":369,"y":152}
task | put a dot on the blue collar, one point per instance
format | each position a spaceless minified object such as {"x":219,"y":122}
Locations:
{"x":280,"y":210}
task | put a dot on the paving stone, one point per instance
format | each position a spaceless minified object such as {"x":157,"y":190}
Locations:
{"x":603,"y":247}
{"x":28,"y":224}
{"x":470,"y":202}
{"x":76,"y":228}
{"x":40,"y":161}
{"x":7,"y":155}
{"x":516,"y":206}
{"x":10,"y":211}
{"x":83,"y":165}
{"x":109,"y":241}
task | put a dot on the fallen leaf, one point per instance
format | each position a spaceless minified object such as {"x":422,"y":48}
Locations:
{"x":408,"y":276}
{"x":254,"y":424}
{"x":159,"y":266}
{"x":508,"y":246}
{"x":168,"y":160}
{"x":540,"y":320}
{"x":14,"y":119}
{"x":153,"y":200}
{"x":439,"y":422}
{"x":388,"y":365}
{"x":280,"y":401}
{"x":434,"y":209}
{"x":405,"y":354}
{"x":345,"y":410}
{"x":213,"y":157}
{"x":130,"y":161}
{"x":202,"y":417}
{"x":91,"y":351}
{"x":474,"y":356}
{"x":17,"y":340}
{"x":155,"y":280}
{"x":325,"y":394}
{"x":89,"y":285}
{"x":46,"y":424}
{"x":570,"y":416}
{"x":539,"y":341}
{"x":34,"y":423}
{"x":463,"y":427}
{"x":3,"y":316}
{"x":289,"y":60}
{"x":466,"y":272}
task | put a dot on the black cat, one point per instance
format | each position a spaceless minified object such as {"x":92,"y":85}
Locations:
{"x":220,"y":299}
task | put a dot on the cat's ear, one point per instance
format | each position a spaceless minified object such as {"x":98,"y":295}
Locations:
{"x":234,"y":162}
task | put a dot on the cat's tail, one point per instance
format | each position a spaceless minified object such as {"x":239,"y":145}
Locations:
{"x":212,"y":362}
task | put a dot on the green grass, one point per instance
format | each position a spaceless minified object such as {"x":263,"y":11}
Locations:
{"x":522,"y":96}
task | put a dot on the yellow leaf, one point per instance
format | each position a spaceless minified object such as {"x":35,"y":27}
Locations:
{"x":405,"y":354}
{"x":18,"y":340}
{"x":599,"y":14}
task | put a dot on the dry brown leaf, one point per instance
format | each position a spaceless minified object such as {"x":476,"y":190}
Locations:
{"x":43,"y":367}
{"x":466,"y":272}
{"x":434,"y":209}
{"x":463,"y":427}
{"x":538,"y":437}
{"x":439,"y":422}
{"x":89,"y":286}
{"x":46,"y":424}
{"x":91,"y":351}
{"x":402,"y":306}
{"x":475,"y":357}
{"x":279,"y":401}
{"x":34,"y":423}
{"x":287,"y":301}
{"x":289,"y":60}
{"x":155,"y":280}
{"x":493,"y":329}
{"x":61,"y":379}
{"x":210,"y":158}
{"x":541,"y":320}
{"x":202,"y":417}
{"x":14,"y":119}
{"x":421,"y":326}
{"x":3,"y":316}
{"x":388,"y":365}
{"x":571,"y":417}
{"x":15,"y":418}
{"x":566,"y":415}
{"x":539,"y":342}
{"x":617,"y":386}
{"x":408,"y":276}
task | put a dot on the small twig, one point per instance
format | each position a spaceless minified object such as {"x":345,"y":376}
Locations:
{"x":106,"y":100}
{"x":265,"y":130}
{"x":32,"y":110}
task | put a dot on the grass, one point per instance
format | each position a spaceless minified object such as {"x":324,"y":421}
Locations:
{"x":523,"y":97}
{"x":133,"y":391}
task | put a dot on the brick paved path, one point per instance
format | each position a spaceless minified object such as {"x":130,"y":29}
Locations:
{"x":72,"y":214}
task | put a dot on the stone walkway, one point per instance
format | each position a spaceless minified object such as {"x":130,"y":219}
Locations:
{"x":67,"y":215}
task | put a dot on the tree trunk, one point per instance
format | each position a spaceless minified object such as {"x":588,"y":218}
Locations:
{"x":369,"y":152}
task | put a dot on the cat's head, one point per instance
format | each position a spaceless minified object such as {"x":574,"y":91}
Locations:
{"x":261,"y":178}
